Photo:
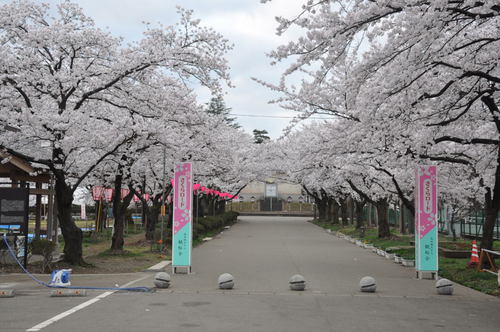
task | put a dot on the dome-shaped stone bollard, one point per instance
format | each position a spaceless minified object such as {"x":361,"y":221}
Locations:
{"x":368,"y":284}
{"x":162,"y":280}
{"x":226,"y":281}
{"x":444,"y":287}
{"x":297,"y":282}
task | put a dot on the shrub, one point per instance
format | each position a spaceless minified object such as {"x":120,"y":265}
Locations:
{"x":45,"y":248}
{"x":198,"y":230}
{"x":42,"y":246}
{"x":215,"y":223}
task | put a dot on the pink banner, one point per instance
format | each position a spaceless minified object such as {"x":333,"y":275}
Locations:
{"x":108,"y":194}
{"x":97,"y":193}
{"x":426,"y":208}
{"x":145,"y":197}
{"x":183,"y":193}
{"x":124,"y":192}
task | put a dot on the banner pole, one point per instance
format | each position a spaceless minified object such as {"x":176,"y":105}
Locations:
{"x":164,"y":199}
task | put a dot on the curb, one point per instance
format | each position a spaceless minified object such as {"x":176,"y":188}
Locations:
{"x":160,"y":267}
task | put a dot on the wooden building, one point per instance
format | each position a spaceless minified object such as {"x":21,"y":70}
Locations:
{"x":17,"y":172}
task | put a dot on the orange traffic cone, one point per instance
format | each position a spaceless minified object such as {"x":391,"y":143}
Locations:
{"x":474,"y":258}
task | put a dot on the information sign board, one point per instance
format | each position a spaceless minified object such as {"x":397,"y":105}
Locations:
{"x":271,"y":190}
{"x":14,"y":207}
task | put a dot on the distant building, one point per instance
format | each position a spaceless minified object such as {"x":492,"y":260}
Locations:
{"x":272,"y":188}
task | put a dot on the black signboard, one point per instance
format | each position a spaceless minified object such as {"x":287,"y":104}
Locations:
{"x":14,"y":207}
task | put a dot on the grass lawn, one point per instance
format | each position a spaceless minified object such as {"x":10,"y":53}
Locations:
{"x":138,"y":254}
{"x":456,"y":269}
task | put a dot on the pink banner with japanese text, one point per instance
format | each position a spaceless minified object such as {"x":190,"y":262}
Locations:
{"x":182,"y":216}
{"x":426,"y":219}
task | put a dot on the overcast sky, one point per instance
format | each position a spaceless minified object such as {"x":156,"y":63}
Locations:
{"x":248,"y":24}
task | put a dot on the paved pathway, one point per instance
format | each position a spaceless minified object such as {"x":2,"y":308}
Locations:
{"x":262,"y":253}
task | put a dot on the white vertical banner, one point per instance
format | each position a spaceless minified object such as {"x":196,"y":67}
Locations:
{"x":83,"y":212}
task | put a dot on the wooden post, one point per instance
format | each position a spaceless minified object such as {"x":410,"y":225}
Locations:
{"x":55,"y":222}
{"x":38,"y":211}
{"x":50,"y":211}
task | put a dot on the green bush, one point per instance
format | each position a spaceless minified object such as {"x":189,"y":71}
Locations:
{"x":233,"y":215}
{"x":198,"y":230}
{"x":45,"y":248}
{"x":42,"y":247}
{"x":167,"y":235}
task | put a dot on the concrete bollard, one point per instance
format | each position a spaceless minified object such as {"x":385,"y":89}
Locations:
{"x":67,"y":292}
{"x":226,"y":281}
{"x":444,"y":287}
{"x":7,"y":293}
{"x":297,"y":282}
{"x":368,"y":284}
{"x":162,"y":280}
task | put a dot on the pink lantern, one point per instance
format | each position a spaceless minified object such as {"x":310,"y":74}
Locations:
{"x":97,"y":192}
{"x":124,"y":192}
{"x":108,"y":194}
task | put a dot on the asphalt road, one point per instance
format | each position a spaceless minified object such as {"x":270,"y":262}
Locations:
{"x":262,"y":253}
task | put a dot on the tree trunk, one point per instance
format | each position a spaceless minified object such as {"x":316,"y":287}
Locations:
{"x":491,"y":213}
{"x":492,"y":200}
{"x":119,"y":210}
{"x":343,"y":211}
{"x":73,"y":235}
{"x":492,"y":206}
{"x":322,"y":205}
{"x":384,"y":230}
{"x":117,"y":238}
{"x":152,"y":213}
{"x":220,"y":206}
{"x":358,"y":207}
{"x":329,"y":210}
{"x":351,"y":211}
{"x":402,"y":223}
{"x":211,"y":207}
{"x":335,"y":211}
{"x":195,"y":205}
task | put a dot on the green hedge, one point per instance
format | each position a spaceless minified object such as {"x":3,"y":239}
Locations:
{"x":213,"y":223}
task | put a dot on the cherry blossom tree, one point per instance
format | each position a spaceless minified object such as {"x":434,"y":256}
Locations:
{"x":425,"y":73}
{"x":76,"y":90}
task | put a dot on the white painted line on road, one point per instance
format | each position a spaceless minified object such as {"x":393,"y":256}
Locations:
{"x":56,"y":318}
{"x":8,"y":285}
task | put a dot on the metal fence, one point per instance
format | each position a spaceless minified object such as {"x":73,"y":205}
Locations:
{"x":473,"y":227}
